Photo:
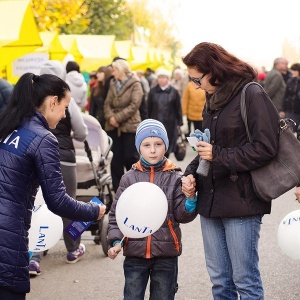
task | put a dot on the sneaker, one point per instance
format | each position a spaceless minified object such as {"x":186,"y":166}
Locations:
{"x":34,"y":268}
{"x":73,"y":257}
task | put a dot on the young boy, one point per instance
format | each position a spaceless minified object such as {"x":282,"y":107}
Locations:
{"x":155,"y":256}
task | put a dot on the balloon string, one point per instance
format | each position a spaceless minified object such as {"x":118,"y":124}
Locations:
{"x":122,"y":240}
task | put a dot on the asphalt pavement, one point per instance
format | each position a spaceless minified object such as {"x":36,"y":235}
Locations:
{"x":97,"y":277}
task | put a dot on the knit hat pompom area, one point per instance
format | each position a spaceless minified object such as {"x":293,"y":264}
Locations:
{"x":150,"y":128}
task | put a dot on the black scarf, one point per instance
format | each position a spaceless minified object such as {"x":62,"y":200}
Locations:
{"x":225,"y":93}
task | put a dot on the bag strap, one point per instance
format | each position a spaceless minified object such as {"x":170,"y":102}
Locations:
{"x":244,"y":110}
{"x":283,"y":123}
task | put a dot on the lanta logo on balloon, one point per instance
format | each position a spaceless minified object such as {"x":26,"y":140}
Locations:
{"x":290,"y":221}
{"x":46,"y":229}
{"x":41,"y":238}
{"x":142,"y":229}
{"x":289,"y":234}
{"x":141,"y":210}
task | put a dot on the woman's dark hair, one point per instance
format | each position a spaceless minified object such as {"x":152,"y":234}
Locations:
{"x":296,"y":67}
{"x":209,"y":58}
{"x":29,"y":94}
{"x":99,"y":88}
{"x":72,"y":66}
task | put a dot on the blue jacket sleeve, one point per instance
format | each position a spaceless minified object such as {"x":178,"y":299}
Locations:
{"x":54,"y":191}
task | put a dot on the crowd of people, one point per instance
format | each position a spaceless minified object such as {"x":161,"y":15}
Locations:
{"x":143,"y":112}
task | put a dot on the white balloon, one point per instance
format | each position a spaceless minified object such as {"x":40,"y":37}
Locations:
{"x":46,"y":229}
{"x":141,"y":210}
{"x":39,"y":199}
{"x":289,"y":234}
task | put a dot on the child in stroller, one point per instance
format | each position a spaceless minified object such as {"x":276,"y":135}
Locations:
{"x":93,"y":158}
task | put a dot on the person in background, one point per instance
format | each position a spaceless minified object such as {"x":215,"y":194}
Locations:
{"x":150,"y":76}
{"x":192,"y":106}
{"x":72,"y":126}
{"x":291,"y":101}
{"x":91,"y":84}
{"x":275,"y":85}
{"x":286,"y":73}
{"x":230,"y":211}
{"x":30,"y":158}
{"x":122,"y":116}
{"x":155,"y":256}
{"x":164,"y":105}
{"x":98,"y":95}
{"x":77,"y":83}
{"x":261,"y":76}
{"x":145,"y":83}
{"x":108,"y":80}
{"x":178,"y":81}
{"x":5,"y":92}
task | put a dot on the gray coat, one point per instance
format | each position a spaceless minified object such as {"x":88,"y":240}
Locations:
{"x":275,"y":87}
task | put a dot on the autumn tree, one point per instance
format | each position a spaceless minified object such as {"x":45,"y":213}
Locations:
{"x":156,"y":23}
{"x":104,"y":17}
{"x":55,"y":14}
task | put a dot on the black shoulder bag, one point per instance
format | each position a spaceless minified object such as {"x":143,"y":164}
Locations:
{"x":283,"y":172}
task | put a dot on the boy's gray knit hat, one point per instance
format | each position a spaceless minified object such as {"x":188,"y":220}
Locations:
{"x":153,"y":128}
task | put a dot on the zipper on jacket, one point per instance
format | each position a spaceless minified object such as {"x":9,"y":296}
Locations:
{"x":148,"y":247}
{"x":174,"y":235}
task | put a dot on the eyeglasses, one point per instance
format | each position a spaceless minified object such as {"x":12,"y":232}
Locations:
{"x":197,"y":80}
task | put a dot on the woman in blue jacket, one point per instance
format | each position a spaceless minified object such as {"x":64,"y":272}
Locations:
{"x":30,"y":157}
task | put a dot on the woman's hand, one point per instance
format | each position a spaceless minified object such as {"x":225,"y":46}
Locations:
{"x":102,"y":209}
{"x":113,"y":122}
{"x":297,"y":193}
{"x":205,"y":150}
{"x":114,"y":251}
{"x":188,"y":186}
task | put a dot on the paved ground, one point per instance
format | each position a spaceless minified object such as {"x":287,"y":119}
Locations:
{"x":98,"y":277}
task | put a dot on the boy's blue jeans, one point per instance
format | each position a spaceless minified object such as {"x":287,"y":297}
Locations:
{"x":163,"y":277}
{"x":231,"y":253}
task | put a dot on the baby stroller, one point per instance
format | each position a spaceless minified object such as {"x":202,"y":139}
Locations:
{"x":93,"y":158}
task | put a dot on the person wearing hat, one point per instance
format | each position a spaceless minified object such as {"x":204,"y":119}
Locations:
{"x":164,"y":105}
{"x":156,"y":254}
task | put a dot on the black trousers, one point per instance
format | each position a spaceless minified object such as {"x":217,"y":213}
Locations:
{"x":197,"y":125}
{"x":125,"y":155}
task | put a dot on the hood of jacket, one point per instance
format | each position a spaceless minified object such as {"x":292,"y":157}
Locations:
{"x":75,"y":78}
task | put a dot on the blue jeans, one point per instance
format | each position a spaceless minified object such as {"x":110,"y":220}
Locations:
{"x":231,"y":253}
{"x":163,"y":277}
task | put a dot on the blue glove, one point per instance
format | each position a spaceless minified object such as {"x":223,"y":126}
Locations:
{"x":204,"y":165}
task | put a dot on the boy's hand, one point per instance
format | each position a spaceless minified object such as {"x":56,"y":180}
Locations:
{"x":114,"y":251}
{"x":102,"y":209}
{"x":297,"y":193}
{"x":188,"y":186}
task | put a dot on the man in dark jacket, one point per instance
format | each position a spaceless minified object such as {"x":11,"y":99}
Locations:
{"x":5,"y":91}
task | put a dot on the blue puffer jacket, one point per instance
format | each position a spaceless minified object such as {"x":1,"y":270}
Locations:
{"x":29,"y":157}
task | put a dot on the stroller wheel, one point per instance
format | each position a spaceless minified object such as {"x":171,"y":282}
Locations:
{"x":103,"y":235}
{"x":97,"y":238}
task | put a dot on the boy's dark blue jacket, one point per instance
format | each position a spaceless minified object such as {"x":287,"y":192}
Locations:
{"x":29,"y":157}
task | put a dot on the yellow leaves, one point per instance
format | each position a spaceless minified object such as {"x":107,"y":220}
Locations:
{"x":51,"y":14}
